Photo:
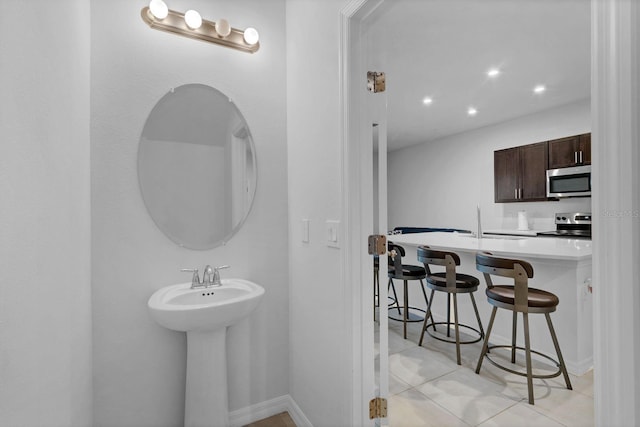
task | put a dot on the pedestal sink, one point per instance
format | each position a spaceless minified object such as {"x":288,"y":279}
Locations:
{"x":204,"y":314}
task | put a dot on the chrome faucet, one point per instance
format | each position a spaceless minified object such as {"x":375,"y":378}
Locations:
{"x":210,"y":276}
{"x":207,"y":280}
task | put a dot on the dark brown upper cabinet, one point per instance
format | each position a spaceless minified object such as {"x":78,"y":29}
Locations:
{"x":520,"y":173}
{"x":570,"y":151}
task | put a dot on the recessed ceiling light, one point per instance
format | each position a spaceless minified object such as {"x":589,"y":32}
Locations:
{"x":472,"y":111}
{"x":427,"y":100}
{"x":539,"y":89}
{"x":493,"y":72}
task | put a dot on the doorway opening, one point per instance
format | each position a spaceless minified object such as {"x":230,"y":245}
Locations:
{"x":382,"y":7}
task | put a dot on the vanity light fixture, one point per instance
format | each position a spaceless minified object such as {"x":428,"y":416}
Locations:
{"x":190,"y":24}
{"x":427,"y":101}
{"x":472,"y":111}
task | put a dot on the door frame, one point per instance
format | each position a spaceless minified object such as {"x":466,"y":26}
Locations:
{"x":615,"y":43}
{"x":615,"y":106}
{"x":355,"y":129}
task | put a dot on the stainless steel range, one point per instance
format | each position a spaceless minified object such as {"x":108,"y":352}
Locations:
{"x":575,"y":225}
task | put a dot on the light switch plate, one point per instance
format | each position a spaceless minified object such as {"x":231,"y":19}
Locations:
{"x":333,"y":233}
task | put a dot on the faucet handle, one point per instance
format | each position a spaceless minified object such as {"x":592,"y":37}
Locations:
{"x":195,"y":279}
{"x":216,"y":275}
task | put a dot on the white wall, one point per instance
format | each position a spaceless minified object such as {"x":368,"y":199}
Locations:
{"x":320,"y":348}
{"x":440,"y":184}
{"x":139,"y":366}
{"x":45,"y":293}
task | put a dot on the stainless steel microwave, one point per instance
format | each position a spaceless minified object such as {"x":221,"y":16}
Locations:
{"x":569,"y":182}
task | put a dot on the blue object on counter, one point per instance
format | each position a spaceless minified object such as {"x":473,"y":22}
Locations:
{"x":409,"y":230}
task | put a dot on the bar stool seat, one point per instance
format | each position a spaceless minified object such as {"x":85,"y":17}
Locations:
{"x":464,"y":281}
{"x":518,"y":298}
{"x":536,"y":297}
{"x":409,"y":271}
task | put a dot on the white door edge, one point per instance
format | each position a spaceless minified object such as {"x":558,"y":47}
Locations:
{"x":354,"y":125}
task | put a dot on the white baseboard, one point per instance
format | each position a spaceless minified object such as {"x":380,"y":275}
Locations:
{"x":580,"y":368}
{"x":297,"y":415}
{"x":262,"y":410}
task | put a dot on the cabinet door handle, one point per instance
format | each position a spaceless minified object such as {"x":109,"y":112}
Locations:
{"x":519,"y":193}
{"x":515,"y":193}
{"x":581,"y":159}
{"x":575,"y":156}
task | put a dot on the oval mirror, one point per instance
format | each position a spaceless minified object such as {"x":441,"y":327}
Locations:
{"x":197,"y":166}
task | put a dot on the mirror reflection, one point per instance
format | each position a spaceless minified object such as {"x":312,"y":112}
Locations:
{"x":197,"y":166}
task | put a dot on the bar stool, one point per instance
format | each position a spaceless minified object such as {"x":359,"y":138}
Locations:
{"x":453,"y":284}
{"x":404,"y":272}
{"x":519,"y":299}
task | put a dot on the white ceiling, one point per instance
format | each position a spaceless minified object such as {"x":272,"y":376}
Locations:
{"x":443,"y":49}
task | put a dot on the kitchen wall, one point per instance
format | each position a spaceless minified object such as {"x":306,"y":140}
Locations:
{"x":439,"y":184}
{"x":45,"y":282}
{"x":139,"y":367}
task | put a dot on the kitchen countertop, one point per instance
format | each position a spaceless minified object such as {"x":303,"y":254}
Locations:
{"x":512,"y":232}
{"x":552,"y":248}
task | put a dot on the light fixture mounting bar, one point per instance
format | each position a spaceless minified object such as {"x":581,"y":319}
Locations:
{"x":175,"y":23}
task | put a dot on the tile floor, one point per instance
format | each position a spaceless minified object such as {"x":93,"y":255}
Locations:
{"x":428,"y":388}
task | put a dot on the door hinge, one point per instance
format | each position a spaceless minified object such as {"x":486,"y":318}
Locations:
{"x":376,"y":81}
{"x":378,"y":408}
{"x":377,"y":244}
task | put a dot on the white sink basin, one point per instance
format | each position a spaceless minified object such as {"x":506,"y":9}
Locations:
{"x":181,"y":308}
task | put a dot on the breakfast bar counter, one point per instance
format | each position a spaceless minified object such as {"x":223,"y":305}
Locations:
{"x":554,"y":248}
{"x":561,"y":266}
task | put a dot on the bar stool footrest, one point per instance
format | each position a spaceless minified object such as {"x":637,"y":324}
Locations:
{"x":453,"y":341}
{"x":524,"y":374}
{"x":411,"y":317}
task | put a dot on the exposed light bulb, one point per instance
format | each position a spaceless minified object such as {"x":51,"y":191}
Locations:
{"x":251,"y":36}
{"x":158,"y":9}
{"x":472,"y":111}
{"x":427,"y":101}
{"x":193,"y":19}
{"x":223,"y":28}
{"x":539,"y":89}
{"x":494,"y":72}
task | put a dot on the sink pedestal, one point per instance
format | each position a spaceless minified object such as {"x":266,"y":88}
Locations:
{"x":206,"y":397}
{"x":205,"y":314}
